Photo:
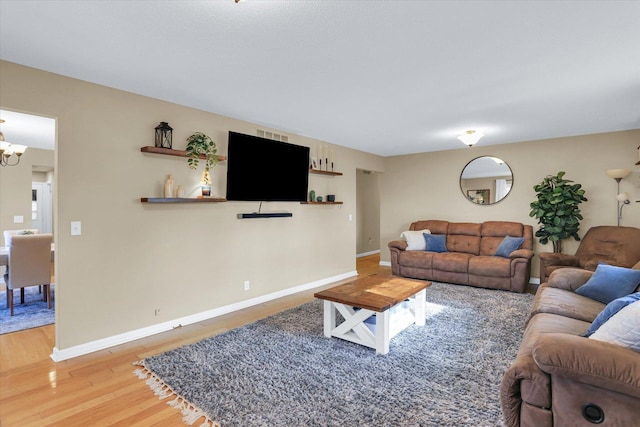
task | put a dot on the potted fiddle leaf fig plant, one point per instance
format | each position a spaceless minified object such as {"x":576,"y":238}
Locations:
{"x":557,"y":209}
{"x":200,"y":144}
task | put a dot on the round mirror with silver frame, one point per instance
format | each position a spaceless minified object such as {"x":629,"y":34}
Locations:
{"x":486,"y":180}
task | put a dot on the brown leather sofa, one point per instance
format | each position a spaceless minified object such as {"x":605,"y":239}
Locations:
{"x":612,"y":245}
{"x":470,"y":258}
{"x":560,"y":378}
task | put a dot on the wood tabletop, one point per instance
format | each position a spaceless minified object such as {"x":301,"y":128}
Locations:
{"x":376,"y":292}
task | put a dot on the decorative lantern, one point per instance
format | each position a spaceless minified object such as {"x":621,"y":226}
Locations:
{"x":163,"y":135}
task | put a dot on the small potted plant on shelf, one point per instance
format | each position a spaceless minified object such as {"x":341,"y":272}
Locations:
{"x":200,"y":144}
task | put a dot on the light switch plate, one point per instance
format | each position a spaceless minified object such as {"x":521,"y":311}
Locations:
{"x":18,"y":219}
{"x":76,"y":228}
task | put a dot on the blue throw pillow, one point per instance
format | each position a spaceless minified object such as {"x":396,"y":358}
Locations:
{"x":508,"y":245}
{"x":610,"y":282}
{"x":612,"y":308}
{"x":436,"y":242}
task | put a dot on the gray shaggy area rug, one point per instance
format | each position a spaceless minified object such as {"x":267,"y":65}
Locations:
{"x":282,"y":371}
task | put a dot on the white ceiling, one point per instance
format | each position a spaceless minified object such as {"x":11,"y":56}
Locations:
{"x":27,"y":129}
{"x":386,"y":77}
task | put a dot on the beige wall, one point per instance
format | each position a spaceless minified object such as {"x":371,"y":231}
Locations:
{"x":368,"y":212}
{"x":134,"y":258}
{"x":426,"y":186}
{"x":15,"y":187}
{"x":182,"y":259}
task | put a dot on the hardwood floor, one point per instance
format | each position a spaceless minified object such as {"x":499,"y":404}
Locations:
{"x":99,"y":389}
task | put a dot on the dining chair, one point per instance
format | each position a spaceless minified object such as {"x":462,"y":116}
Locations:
{"x":7,"y":240}
{"x":29,"y":265}
{"x":10,"y":233}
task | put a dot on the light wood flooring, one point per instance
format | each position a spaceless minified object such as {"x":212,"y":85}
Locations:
{"x":99,"y":389}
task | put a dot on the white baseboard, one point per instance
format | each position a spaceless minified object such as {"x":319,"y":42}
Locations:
{"x":90,"y":347}
{"x":385,"y":263}
{"x":367,"y":253}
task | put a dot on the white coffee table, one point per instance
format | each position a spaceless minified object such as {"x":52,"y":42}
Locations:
{"x":379,"y":295}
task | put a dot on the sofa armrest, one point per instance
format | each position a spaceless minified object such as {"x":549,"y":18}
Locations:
{"x":521,"y":253}
{"x":398,"y":244}
{"x":604,"y":365}
{"x":553,"y":258}
{"x":569,"y":279}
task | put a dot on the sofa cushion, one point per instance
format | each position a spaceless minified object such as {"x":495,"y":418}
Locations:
{"x":565,"y":303}
{"x":508,"y":245}
{"x":612,"y":308}
{"x":418,"y":259}
{"x":490,"y":266}
{"x":569,"y":278}
{"x":622,"y":329}
{"x":502,"y":228}
{"x":452,"y":261}
{"x":466,"y":244}
{"x":435,"y":242}
{"x":544,"y":323}
{"x":415,"y":239}
{"x":610,"y":282}
{"x":435,"y":225}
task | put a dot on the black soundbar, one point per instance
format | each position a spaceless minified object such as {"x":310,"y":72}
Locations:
{"x":264,"y":215}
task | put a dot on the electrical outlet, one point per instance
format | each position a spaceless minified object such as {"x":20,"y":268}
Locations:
{"x":246,"y":285}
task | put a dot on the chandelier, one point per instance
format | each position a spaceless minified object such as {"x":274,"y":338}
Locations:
{"x":7,"y":150}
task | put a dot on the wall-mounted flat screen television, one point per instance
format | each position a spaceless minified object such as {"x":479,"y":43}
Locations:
{"x":265,"y":170}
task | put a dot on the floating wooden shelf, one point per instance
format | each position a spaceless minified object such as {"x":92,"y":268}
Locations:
{"x":182,"y":200}
{"x":320,"y":203}
{"x":172,"y":152}
{"x":321,"y":172}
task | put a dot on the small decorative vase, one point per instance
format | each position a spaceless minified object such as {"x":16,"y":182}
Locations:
{"x":312,"y":196}
{"x":319,"y":199}
{"x":168,"y":187}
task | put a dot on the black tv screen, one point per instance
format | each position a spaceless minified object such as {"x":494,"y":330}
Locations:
{"x":261,"y":169}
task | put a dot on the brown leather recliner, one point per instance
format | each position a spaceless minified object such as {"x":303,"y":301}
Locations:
{"x":613,"y":245}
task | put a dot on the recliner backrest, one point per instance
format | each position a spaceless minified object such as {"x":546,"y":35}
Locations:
{"x":610,"y":244}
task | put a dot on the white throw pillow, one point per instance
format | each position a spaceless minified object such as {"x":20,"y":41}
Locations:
{"x":415,"y":240}
{"x":623,"y":328}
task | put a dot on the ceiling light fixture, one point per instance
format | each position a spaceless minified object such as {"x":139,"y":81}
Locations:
{"x":470,"y":137}
{"x":7,"y":150}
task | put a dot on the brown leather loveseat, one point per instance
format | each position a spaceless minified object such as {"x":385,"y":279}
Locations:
{"x":470,"y":255}
{"x":560,"y":377}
